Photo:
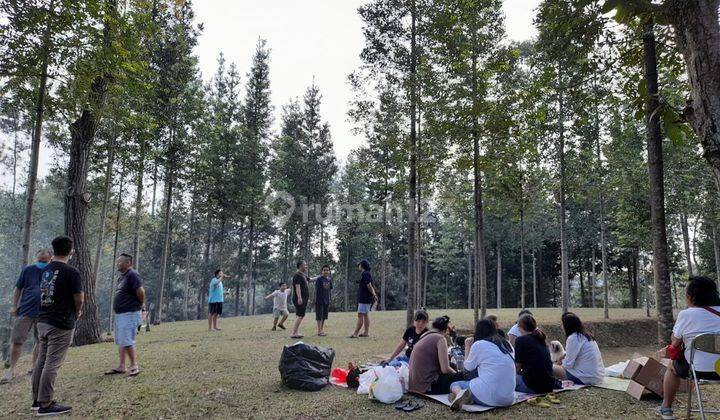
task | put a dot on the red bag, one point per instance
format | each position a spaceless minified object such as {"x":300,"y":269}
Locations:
{"x":674,"y":353}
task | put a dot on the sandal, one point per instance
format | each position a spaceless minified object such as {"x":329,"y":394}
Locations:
{"x":114,"y":371}
{"x":413,"y":405}
{"x":134,"y":371}
{"x":538,"y":402}
{"x":363,"y":335}
{"x":552,"y":398}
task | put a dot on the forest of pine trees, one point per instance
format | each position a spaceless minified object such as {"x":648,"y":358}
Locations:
{"x":576,"y":169}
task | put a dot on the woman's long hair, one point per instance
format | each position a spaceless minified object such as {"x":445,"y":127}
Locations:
{"x":486,"y":330}
{"x":527,"y":323}
{"x":571,"y":324}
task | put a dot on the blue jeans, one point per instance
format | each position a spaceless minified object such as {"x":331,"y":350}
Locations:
{"x":521,"y":387}
{"x":397,"y":362}
{"x":466,"y":385}
{"x":573,"y":378}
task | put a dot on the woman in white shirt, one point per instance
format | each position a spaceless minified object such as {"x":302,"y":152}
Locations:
{"x":491,"y":356}
{"x":702,"y":315}
{"x":582,"y":363}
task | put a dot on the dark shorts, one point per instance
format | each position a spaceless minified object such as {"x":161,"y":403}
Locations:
{"x":321,"y":311}
{"x":300,"y":309}
{"x":682,"y":368}
{"x":215,"y":308}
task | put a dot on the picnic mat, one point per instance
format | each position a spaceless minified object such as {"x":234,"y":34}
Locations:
{"x":614,"y":384}
{"x":519,"y":397}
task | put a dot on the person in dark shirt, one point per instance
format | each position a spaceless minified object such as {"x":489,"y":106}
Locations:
{"x":26,"y":306}
{"x":366,"y":298}
{"x":323,"y":290}
{"x":409,"y":338}
{"x":300,"y":296}
{"x":127,"y":305}
{"x":532,"y":359}
{"x":61,"y":300}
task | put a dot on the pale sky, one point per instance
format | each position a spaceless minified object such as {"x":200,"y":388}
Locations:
{"x":308,"y":38}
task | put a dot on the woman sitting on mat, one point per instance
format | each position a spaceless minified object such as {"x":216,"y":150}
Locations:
{"x":702,"y":315}
{"x":430,"y":371}
{"x":532,"y":359}
{"x":491,"y":356}
{"x":582,"y":363}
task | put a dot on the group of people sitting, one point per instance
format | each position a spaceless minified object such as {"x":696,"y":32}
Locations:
{"x":496,"y":365}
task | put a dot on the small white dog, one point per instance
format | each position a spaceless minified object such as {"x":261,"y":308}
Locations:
{"x":557,"y":351}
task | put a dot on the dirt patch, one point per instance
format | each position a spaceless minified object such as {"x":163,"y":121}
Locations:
{"x":640,"y":332}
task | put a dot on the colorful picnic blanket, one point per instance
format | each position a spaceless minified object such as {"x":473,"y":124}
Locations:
{"x":519,"y":398}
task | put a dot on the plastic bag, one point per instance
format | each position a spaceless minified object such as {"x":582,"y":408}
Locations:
{"x":366,"y":379}
{"x":387,"y":388}
{"x":404,"y":372}
{"x":306,"y":367}
{"x":617,"y":369}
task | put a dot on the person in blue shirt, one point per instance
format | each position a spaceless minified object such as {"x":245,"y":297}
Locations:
{"x":323,"y":291}
{"x":366,"y":298}
{"x":215,"y":301}
{"x":26,"y":306}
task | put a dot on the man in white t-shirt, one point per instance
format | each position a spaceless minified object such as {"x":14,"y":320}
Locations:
{"x":514,"y":332}
{"x":701,"y":316}
{"x":280,"y":311}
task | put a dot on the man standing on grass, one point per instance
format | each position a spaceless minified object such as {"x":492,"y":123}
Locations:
{"x":127,"y":305}
{"x":216,"y":299}
{"x":26,"y":306}
{"x":366,"y":298}
{"x":61,"y":300}
{"x":300,"y":296}
{"x":323,"y":290}
{"x":280,"y":311}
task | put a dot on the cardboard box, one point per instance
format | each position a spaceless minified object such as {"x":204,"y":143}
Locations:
{"x":646,"y":377}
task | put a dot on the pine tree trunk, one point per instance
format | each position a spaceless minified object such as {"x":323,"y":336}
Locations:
{"x":582,"y":286}
{"x":686,"y":242}
{"x":522,"y":259}
{"x":204,"y":284}
{"x":716,"y":248}
{"x":564,"y":282}
{"x":534,"y":276}
{"x":36,"y":138}
{"x":154,"y":190}
{"x":591,"y":273}
{"x":425,"y":284}
{"x":240,"y":280}
{"x":469,"y":277}
{"x":138,"y":204}
{"x":346,"y":291}
{"x":697,"y":33}
{"x":498,"y":277}
{"x":480,"y":298}
{"x":188,"y":260}
{"x":661,"y":272}
{"x":103,"y":211}
{"x":251,"y":253}
{"x":111,"y":277}
{"x":412,"y":181}
{"x":169,"y":181}
{"x":383,"y":257}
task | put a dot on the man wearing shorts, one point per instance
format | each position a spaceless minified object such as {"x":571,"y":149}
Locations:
{"x":300,"y":296}
{"x":127,"y":305}
{"x":26,"y":306}
{"x":215,"y":301}
{"x":323,"y":290}
{"x":280,"y":311}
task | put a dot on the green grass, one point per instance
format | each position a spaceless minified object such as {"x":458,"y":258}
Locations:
{"x":189,"y":372}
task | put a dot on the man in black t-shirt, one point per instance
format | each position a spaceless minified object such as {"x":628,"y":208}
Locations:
{"x":409,"y":338}
{"x":300,"y":296}
{"x":61,"y":300}
{"x":127,"y":305}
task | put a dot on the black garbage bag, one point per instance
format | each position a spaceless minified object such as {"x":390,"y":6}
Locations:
{"x":306,"y":367}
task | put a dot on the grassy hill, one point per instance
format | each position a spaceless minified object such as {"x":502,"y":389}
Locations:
{"x":190,"y":372}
